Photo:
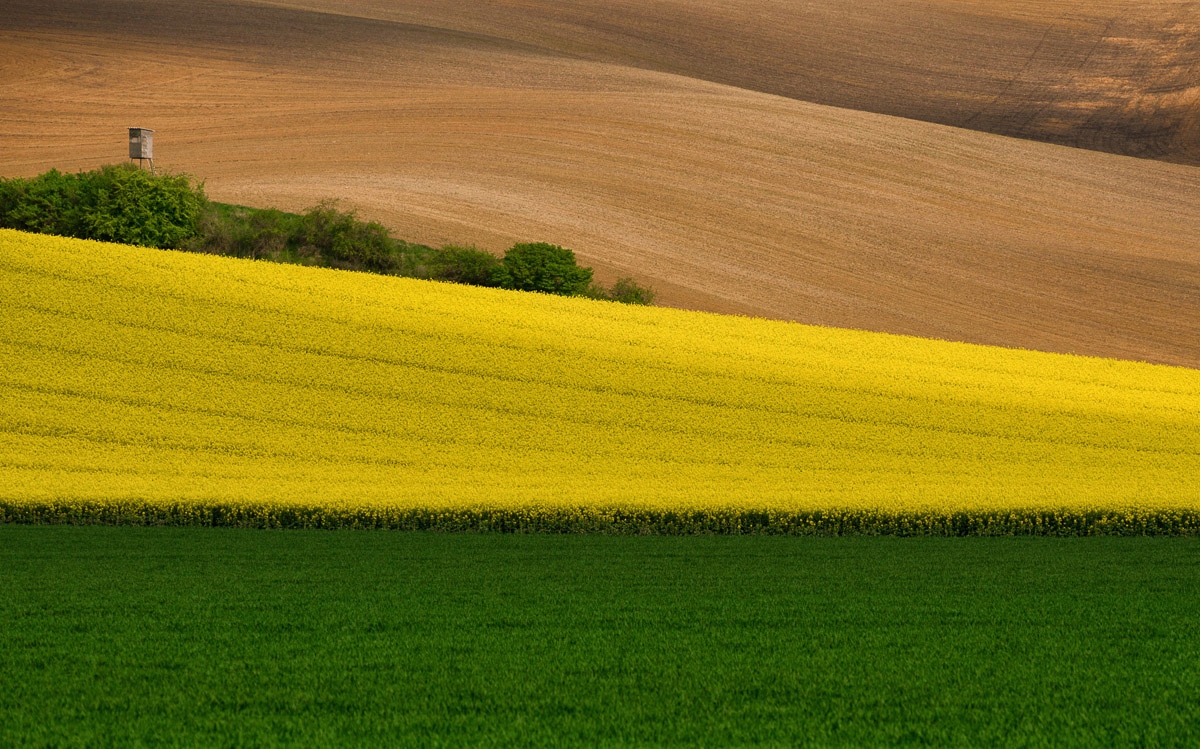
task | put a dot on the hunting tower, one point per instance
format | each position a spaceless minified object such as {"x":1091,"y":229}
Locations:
{"x":141,"y":145}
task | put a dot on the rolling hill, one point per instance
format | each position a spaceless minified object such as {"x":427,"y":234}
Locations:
{"x":1113,"y":75}
{"x":692,"y":152}
{"x":160,"y":387}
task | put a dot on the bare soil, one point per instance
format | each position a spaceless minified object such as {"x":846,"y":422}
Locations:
{"x":679,"y":142}
{"x":1111,"y":75}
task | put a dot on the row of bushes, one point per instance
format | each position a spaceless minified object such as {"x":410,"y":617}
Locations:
{"x":535,"y":266}
{"x":122,"y":203}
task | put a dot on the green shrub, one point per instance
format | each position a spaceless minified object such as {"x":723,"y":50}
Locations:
{"x":115,"y":203}
{"x":47,"y":204}
{"x":132,"y":206}
{"x":596,"y":291}
{"x":323,"y":236}
{"x":627,"y":291}
{"x":338,"y":239}
{"x":469,"y":265}
{"x":539,"y":266}
{"x":237,"y":231}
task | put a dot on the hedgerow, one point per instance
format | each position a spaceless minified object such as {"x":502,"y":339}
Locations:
{"x":125,"y":204}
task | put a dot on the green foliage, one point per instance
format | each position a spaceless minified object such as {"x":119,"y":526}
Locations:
{"x":133,"y":206}
{"x":549,"y":268}
{"x":122,"y":203}
{"x":596,"y":290}
{"x":323,"y":236}
{"x":468,"y":265}
{"x":552,"y":269}
{"x":115,"y":203}
{"x":237,"y":231}
{"x":339,"y":240}
{"x":50,"y":203}
{"x":627,"y":291}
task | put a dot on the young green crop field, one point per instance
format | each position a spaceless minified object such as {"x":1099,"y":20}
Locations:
{"x":142,"y":386}
{"x":223,"y":637}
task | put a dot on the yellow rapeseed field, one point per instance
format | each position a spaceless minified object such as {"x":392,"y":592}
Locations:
{"x":147,"y":386}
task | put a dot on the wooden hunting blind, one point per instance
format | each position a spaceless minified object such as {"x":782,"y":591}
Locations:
{"x":141,"y":145}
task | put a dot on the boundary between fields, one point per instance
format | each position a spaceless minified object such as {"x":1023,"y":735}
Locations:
{"x":612,"y":521}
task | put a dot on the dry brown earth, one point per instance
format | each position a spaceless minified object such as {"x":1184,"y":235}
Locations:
{"x":493,"y":122}
{"x":1112,"y":75}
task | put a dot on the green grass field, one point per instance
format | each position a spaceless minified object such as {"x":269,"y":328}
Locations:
{"x":162,"y":636}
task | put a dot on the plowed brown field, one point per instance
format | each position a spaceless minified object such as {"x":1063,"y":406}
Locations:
{"x":609,"y":126}
{"x":1112,"y":75}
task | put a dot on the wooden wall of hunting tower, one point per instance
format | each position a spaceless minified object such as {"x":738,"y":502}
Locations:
{"x":141,"y":143}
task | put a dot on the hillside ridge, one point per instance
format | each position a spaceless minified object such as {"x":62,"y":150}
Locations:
{"x":721,"y":198}
{"x":151,"y":387}
{"x":1116,"y":76}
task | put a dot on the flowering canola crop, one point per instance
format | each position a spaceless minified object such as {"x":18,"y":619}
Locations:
{"x":145,"y":386}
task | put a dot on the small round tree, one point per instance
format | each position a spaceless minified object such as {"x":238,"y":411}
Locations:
{"x":538,"y":266}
